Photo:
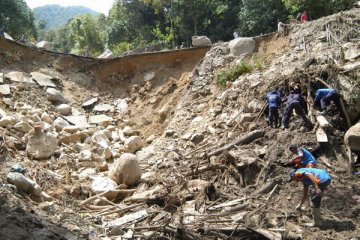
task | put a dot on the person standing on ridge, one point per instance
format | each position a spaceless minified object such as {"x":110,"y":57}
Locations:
{"x":304,"y":17}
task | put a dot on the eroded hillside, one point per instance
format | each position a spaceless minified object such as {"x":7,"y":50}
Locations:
{"x":168,"y":109}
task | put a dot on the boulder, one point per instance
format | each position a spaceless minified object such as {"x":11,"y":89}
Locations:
{"x":54,"y":95}
{"x":102,"y":184}
{"x":7,"y":121}
{"x":23,"y":127}
{"x":46,"y":118}
{"x":133,"y":143}
{"x":40,"y":145}
{"x":23,"y":183}
{"x":198,"y":41}
{"x":352,"y":137}
{"x":86,"y":173}
{"x":70,"y":129}
{"x":60,"y":123}
{"x":240,"y":46}
{"x":254,"y":106}
{"x":63,"y":109}
{"x":126,"y":170}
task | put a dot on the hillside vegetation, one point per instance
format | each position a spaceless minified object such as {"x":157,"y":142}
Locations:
{"x":53,"y":16}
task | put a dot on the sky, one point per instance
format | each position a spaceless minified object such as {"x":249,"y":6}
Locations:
{"x":102,"y":6}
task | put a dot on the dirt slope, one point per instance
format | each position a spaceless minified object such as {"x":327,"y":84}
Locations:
{"x":174,"y":99}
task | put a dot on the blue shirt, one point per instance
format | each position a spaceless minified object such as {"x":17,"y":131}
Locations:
{"x":273,"y":99}
{"x":320,"y":93}
{"x":307,"y":156}
{"x":321,"y":176}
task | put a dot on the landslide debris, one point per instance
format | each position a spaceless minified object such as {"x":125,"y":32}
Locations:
{"x":208,"y":161}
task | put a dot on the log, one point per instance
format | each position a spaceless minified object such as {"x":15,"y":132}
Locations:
{"x":323,"y":122}
{"x":205,"y":169}
{"x":321,"y":136}
{"x":248,"y":138}
{"x":266,"y":233}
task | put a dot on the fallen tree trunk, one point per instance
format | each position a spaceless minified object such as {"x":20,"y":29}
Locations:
{"x":243,"y":140}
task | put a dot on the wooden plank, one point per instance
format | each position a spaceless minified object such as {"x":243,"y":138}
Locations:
{"x":323,"y":122}
{"x":321,"y":135}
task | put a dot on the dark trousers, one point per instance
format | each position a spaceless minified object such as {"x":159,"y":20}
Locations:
{"x":273,"y":116}
{"x":332,"y":96}
{"x":288,"y":112}
{"x":315,"y":201}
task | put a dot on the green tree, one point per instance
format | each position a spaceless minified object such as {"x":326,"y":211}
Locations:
{"x":257,"y":16}
{"x":85,"y":37}
{"x":17,"y":19}
{"x":318,"y":8}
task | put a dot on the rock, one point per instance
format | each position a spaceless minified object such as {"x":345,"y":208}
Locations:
{"x":46,"y":118}
{"x":103,"y":184}
{"x":42,"y":79}
{"x":63,"y":109}
{"x":101,"y":119}
{"x":23,"y":127}
{"x":70,"y":129}
{"x":102,"y":107}
{"x":7,"y":121}
{"x":150,"y":139}
{"x":126,"y":170}
{"x":352,"y":137}
{"x":352,"y":51}
{"x":60,"y":123}
{"x":85,"y":155}
{"x":79,"y":121}
{"x":90,"y":103}
{"x":197,"y":138}
{"x":254,"y":106}
{"x":133,"y":143}
{"x":128,"y":131}
{"x":16,"y":76}
{"x":5,"y":89}
{"x":170,"y":132}
{"x":55,"y":96}
{"x":40,"y":145}
{"x":198,"y":41}
{"x":86,"y":173}
{"x":44,"y":44}
{"x":245,"y":117}
{"x":121,"y":106}
{"x":240,"y":46}
{"x":23,"y":183}
{"x":72,"y":138}
{"x":1,"y":77}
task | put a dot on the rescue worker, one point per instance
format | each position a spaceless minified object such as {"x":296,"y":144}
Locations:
{"x":317,"y":180}
{"x":274,"y":100}
{"x":324,"y":96}
{"x":294,"y":101}
{"x":304,"y":158}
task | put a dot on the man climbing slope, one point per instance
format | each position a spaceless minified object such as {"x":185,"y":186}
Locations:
{"x":304,"y":158}
{"x":318,"y":180}
{"x":274,"y":100}
{"x":323,"y":98}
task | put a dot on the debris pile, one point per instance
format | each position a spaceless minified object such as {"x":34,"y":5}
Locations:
{"x":183,"y":158}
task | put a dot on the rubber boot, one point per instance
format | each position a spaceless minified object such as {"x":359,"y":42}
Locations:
{"x":316,"y":214}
